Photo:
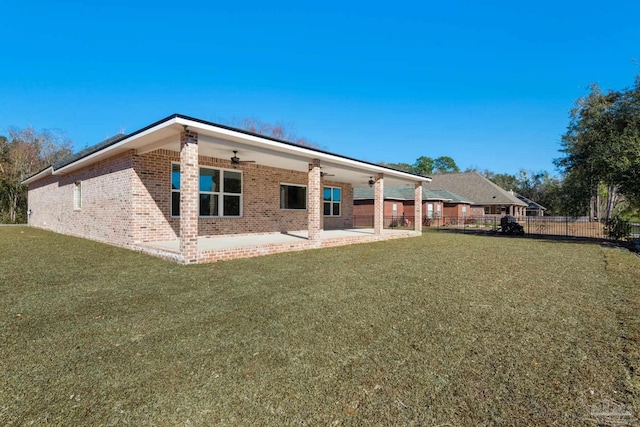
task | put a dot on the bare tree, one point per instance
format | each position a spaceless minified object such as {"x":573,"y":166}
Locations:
{"x":277,"y":131}
{"x":23,"y":154}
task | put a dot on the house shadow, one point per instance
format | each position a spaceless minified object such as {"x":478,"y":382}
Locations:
{"x":633,"y":246}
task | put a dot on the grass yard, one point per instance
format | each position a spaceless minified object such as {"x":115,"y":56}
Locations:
{"x":446,"y":329}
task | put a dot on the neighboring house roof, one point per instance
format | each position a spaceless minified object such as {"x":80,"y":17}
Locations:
{"x":531,"y":203}
{"x":217,"y":141}
{"x":474,"y":187}
{"x":450,"y":197}
{"x":405,"y":192}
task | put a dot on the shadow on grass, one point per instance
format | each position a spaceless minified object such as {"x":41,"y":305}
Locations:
{"x":632,"y":246}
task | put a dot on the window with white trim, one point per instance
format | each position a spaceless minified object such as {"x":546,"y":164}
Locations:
{"x":175,"y":189}
{"x":77,"y":195}
{"x":331,"y":197}
{"x":293,"y":197}
{"x":219,"y":193}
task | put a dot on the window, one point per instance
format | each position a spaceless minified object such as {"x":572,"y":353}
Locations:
{"x":331,"y":198}
{"x":220,"y":192}
{"x":175,"y":190}
{"x":293,"y":197}
{"x":77,"y":195}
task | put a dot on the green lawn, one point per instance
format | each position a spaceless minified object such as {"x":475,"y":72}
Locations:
{"x":445,"y":329}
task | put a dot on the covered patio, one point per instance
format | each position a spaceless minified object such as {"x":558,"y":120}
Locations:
{"x":259,"y":159}
{"x":216,"y":248}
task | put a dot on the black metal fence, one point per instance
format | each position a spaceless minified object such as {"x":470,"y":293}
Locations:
{"x":560,"y":226}
{"x":400,"y":221}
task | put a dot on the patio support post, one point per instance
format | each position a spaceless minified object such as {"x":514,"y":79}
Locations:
{"x":378,"y":205}
{"x":417,"y":221}
{"x":314,"y":200}
{"x":189,"y":187}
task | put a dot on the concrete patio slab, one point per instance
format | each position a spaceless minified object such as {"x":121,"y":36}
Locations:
{"x":213,"y":248}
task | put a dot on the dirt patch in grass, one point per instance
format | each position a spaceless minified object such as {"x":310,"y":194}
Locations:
{"x":443,"y":329}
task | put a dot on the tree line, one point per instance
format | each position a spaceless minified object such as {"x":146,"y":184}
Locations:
{"x":599,"y":164}
{"x":23,"y":153}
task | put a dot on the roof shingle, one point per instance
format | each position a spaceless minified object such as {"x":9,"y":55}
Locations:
{"x":474,"y":187}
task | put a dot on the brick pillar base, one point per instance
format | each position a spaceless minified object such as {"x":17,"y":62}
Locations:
{"x":189,"y":189}
{"x":417,"y":223}
{"x":314,"y":201}
{"x":378,"y":205}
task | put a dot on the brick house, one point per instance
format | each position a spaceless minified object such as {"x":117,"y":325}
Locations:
{"x":486,"y":197}
{"x":533,"y":208}
{"x":195,"y":191}
{"x":399,"y":203}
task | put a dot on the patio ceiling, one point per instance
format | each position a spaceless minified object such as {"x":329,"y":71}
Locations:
{"x":220,"y":141}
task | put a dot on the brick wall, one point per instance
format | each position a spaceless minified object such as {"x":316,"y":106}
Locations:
{"x":260,"y":200}
{"x":127,"y":200}
{"x":106,"y":202}
{"x":455,"y":209}
{"x":366,"y":207}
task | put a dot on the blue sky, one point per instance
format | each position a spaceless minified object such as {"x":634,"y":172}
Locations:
{"x":488,"y":83}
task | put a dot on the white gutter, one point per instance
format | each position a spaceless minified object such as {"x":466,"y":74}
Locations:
{"x":39,"y":175}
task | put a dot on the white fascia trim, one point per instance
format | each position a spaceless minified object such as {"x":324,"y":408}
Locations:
{"x":41,"y":174}
{"x":302,"y":151}
{"x":126,"y":141}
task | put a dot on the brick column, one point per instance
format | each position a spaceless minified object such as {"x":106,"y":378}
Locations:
{"x":417,"y":197}
{"x":314,"y":200}
{"x":378,"y":205}
{"x":189,"y":189}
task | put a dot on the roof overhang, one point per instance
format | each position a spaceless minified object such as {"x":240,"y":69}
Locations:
{"x":220,"y":141}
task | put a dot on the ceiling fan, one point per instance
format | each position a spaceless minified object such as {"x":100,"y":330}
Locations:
{"x":235,"y":160}
{"x":323,"y":174}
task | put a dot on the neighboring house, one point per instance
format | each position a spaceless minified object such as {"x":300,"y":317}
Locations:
{"x":399,"y":203}
{"x":195,"y":191}
{"x":533,"y":208}
{"x":487,"y":197}
{"x":453,"y":205}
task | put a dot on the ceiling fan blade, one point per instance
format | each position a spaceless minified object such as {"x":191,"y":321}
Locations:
{"x":236,"y":160}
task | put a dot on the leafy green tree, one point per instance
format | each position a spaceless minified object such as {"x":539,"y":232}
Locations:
{"x":503,"y":180}
{"x":445,"y":164}
{"x":540,"y":187}
{"x":601,"y":150}
{"x":424,"y":165}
